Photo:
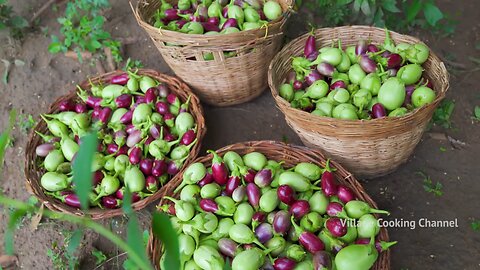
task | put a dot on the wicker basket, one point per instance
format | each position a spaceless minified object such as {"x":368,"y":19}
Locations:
{"x":291,"y":155}
{"x":221,"y":81}
{"x":368,"y":148}
{"x":33,"y":172}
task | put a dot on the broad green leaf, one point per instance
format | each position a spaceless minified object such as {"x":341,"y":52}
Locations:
{"x":343,"y":2}
{"x":134,"y":237}
{"x":413,"y":9}
{"x":365,"y":7}
{"x":134,"y":234}
{"x":432,"y":14}
{"x":390,"y":5}
{"x":163,"y":230}
{"x":74,"y":241}
{"x":15,"y":217}
{"x":55,"y":47}
{"x":477,"y":112}
{"x":5,"y":137}
{"x":18,"y":22}
{"x":82,"y":168}
{"x":357,"y":4}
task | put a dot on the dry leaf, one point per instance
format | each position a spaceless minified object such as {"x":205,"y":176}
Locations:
{"x":35,"y":221}
{"x":8,"y":261}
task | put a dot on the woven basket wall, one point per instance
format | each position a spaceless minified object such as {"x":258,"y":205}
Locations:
{"x":33,"y":172}
{"x":221,"y":81}
{"x":367,"y":148}
{"x":291,"y":155}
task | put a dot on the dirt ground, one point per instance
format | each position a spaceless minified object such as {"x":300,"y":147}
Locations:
{"x":44,"y":77}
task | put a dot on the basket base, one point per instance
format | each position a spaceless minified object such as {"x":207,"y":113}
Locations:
{"x":359,"y":155}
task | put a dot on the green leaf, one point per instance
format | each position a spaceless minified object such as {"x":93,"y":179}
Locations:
{"x":82,"y":167}
{"x":366,"y":9}
{"x":134,"y":234}
{"x":432,"y":13}
{"x":390,"y":5}
{"x":343,"y":2}
{"x":99,"y":256}
{"x":163,"y":229}
{"x":134,"y":237}
{"x":5,"y":137}
{"x":476,"y":112}
{"x":55,"y":47}
{"x":18,"y":22}
{"x":475,"y":225}
{"x":413,"y":9}
{"x":357,"y":4}
{"x":15,"y":217}
{"x":74,"y":241}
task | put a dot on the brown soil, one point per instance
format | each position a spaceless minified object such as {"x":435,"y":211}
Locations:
{"x":44,"y":77}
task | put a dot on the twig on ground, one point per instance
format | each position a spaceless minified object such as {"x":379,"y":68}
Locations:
{"x":108,"y":53}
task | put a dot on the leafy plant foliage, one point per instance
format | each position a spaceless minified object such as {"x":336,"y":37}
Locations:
{"x":8,"y":19}
{"x":82,"y":30}
{"x":394,"y":14}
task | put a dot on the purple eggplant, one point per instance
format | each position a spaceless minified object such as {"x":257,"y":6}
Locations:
{"x":146,"y":166}
{"x":66,"y":105}
{"x":80,"y":108}
{"x":361,"y":47}
{"x":231,"y":22}
{"x":162,"y":107}
{"x":367,"y":64}
{"x":151,"y":95}
{"x":336,"y":227}
{"x":123,"y":101}
{"x":210,"y":27}
{"x":159,"y":167}
{"x":394,"y":60}
{"x":345,"y":194}
{"x":281,"y":222}
{"x":207,"y":179}
{"x":188,"y":137}
{"x":121,"y":79}
{"x":250,"y":176}
{"x":253,"y":195}
{"x":264,"y":232}
{"x":135,"y":155}
{"x":126,"y":118}
{"x":338,"y":84}
{"x":232,"y":183}
{"x":299,"y":208}
{"x":219,"y":170}
{"x":372,"y":48}
{"x":44,"y":149}
{"x":322,"y":260}
{"x":284,"y":263}
{"x":328,"y":183}
{"x":286,"y":194}
{"x":263,"y":178}
{"x":325,"y":69}
{"x":378,"y":111}
{"x":310,"y":46}
{"x":93,"y":102}
{"x":308,"y":240}
{"x":297,"y":85}
{"x":312,"y":77}
{"x":111,"y":202}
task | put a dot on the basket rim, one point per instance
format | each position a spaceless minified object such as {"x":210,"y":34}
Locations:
{"x":361,"y":193}
{"x":97,"y":213}
{"x":286,"y":108}
{"x":141,"y":20}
